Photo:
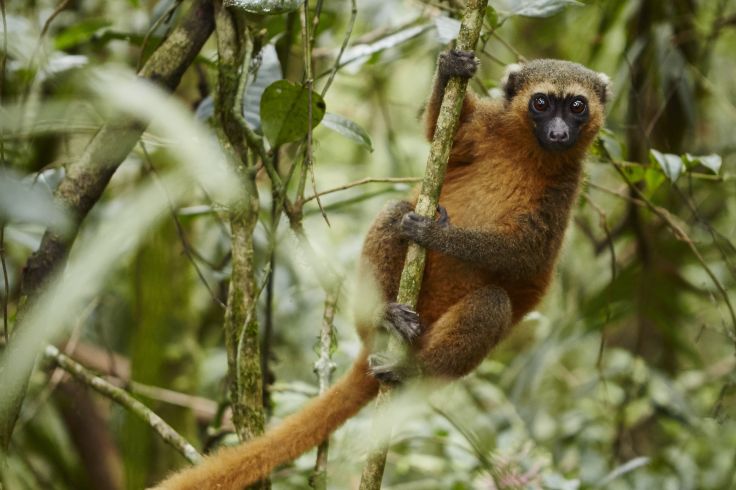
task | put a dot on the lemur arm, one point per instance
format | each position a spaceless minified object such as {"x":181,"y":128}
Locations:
{"x":518,"y":252}
{"x":451,"y":63}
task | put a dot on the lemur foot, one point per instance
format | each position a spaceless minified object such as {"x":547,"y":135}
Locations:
{"x":389,"y":369}
{"x":402,"y":321}
{"x":458,"y":63}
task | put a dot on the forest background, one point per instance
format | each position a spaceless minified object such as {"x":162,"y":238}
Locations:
{"x":164,"y":241}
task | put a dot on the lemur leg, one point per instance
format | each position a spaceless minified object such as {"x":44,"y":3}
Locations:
{"x":462,"y":337}
{"x":384,"y":251}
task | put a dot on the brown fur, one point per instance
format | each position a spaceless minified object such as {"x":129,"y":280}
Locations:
{"x":508,"y":201}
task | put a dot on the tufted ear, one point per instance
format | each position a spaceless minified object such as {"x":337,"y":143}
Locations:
{"x":603,"y":88}
{"x":511,"y":81}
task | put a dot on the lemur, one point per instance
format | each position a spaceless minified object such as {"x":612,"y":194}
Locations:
{"x":512,"y":178}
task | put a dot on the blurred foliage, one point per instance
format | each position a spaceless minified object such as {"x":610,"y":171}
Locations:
{"x":624,"y":378}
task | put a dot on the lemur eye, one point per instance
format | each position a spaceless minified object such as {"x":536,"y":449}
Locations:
{"x":577,"y":106}
{"x":540,"y":103}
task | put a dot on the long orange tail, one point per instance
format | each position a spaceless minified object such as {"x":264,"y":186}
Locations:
{"x":234,"y":468}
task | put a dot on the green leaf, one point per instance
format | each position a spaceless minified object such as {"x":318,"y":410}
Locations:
{"x":670,"y":164}
{"x":492,"y":17}
{"x":612,"y":146}
{"x":79,"y":33}
{"x":265,"y":7}
{"x":447,"y":29}
{"x":653,"y":178}
{"x":347,"y":128}
{"x":635,"y":173}
{"x":539,"y":8}
{"x":711,"y":162}
{"x":285,"y":109}
{"x":268,"y":73}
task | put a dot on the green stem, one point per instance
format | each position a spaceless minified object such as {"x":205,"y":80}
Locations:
{"x":411,"y":276}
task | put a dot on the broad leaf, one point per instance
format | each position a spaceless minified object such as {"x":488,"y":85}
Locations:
{"x":265,"y":7}
{"x":447,"y":28}
{"x":79,"y":33}
{"x":711,"y":162}
{"x":361,"y":51}
{"x":536,"y":8}
{"x":268,"y":72}
{"x":670,"y":164}
{"x":285,"y":112}
{"x":347,"y":128}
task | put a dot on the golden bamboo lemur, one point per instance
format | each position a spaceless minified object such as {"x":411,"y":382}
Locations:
{"x":513,"y":176}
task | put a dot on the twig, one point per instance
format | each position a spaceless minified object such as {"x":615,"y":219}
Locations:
{"x":348,"y":33}
{"x":6,"y":284}
{"x":308,"y":164}
{"x":519,"y":57}
{"x":411,"y":276}
{"x":367,"y":180}
{"x":59,"y":8}
{"x":681,"y":235}
{"x":162,"y":18}
{"x":324,"y":367}
{"x":164,"y":430}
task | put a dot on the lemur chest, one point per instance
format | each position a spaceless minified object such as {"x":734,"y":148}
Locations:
{"x":489,"y":194}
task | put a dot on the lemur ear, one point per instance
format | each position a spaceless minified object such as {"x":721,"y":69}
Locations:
{"x":603,"y":88}
{"x":511,"y":80}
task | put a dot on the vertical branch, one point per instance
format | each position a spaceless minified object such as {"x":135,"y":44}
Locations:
{"x":234,"y":47}
{"x":439,"y":153}
{"x":324,"y":367}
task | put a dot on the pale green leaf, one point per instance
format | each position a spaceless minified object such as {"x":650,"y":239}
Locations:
{"x":347,"y":128}
{"x":265,"y":7}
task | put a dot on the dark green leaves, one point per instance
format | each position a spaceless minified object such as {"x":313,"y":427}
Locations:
{"x":285,"y":112}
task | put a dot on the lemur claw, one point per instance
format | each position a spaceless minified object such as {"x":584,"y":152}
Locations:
{"x":402,"y":321}
{"x":444,"y":219}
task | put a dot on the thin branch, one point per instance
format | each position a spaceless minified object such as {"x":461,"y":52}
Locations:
{"x":367,"y":180}
{"x":308,"y":42}
{"x":519,"y":57}
{"x":6,"y":284}
{"x":162,"y":18}
{"x":164,"y":430}
{"x":603,"y":222}
{"x":60,"y":8}
{"x":324,"y":367}
{"x":411,"y":276}
{"x":346,"y":39}
{"x":681,"y":235}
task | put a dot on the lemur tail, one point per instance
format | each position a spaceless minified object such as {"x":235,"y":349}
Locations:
{"x":234,"y":468}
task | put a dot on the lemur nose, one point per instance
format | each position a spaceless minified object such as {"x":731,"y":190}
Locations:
{"x":558,"y":136}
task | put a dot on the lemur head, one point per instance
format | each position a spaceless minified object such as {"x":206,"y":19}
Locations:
{"x":563,"y":102}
